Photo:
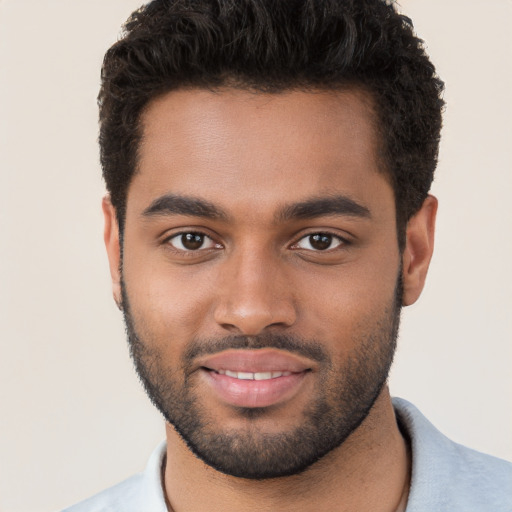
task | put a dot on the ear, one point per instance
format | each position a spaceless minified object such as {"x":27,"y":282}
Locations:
{"x":418,"y":250}
{"x":112,"y":244}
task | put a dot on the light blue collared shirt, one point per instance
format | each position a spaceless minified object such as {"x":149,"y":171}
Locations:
{"x":446,"y":476}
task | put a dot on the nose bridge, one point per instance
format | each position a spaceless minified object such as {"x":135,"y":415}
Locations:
{"x":253,"y":294}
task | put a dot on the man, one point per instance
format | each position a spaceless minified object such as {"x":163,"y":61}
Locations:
{"x":268,"y":167}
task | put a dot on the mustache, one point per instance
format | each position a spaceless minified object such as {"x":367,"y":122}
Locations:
{"x":310,"y":349}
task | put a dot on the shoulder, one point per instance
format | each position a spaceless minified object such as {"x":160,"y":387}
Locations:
{"x":447,"y":476}
{"x":142,"y":491}
{"x":119,"y":497}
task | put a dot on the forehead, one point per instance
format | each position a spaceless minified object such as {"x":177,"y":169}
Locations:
{"x":280,"y":147}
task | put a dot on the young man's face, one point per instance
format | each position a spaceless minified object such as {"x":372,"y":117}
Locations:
{"x":261,"y":273}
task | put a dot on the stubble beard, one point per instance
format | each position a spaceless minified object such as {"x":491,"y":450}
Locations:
{"x":344,"y":395}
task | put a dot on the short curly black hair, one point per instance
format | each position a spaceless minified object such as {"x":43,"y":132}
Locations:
{"x":272,"y":46}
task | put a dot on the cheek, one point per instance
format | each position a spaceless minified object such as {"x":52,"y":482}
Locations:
{"x":348,"y":302}
{"x":167,"y":305}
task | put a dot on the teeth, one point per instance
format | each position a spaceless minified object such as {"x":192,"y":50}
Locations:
{"x":253,"y":376}
{"x":263,"y":375}
{"x":245,"y":376}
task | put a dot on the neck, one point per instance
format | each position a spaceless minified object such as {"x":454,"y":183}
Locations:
{"x":369,"y":471}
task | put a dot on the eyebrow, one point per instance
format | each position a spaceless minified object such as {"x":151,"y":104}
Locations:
{"x":320,"y":206}
{"x":171,"y":204}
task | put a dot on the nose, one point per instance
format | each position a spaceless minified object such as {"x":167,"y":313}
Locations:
{"x":254,"y":295}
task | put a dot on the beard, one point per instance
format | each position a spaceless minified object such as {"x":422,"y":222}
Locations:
{"x":344,"y":394}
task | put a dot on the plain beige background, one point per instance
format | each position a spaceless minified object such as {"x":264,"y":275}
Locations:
{"x":73,"y":418}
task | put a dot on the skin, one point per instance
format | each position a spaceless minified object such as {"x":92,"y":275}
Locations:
{"x":250,"y":155}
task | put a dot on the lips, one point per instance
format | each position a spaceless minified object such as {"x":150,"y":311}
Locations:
{"x":254,"y":378}
{"x":255,"y":361}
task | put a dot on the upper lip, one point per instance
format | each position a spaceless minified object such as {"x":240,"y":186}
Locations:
{"x":254,"y":361}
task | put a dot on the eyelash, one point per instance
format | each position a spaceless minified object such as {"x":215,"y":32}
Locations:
{"x":215,"y":245}
{"x":334,"y":236}
{"x":184,"y":250}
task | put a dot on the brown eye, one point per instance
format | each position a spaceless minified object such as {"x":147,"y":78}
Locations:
{"x":319,"y":242}
{"x":191,"y":241}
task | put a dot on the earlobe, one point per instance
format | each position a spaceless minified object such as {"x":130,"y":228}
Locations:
{"x":418,"y":250}
{"x":112,"y":244}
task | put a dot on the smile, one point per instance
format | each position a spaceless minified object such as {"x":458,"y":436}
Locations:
{"x":253,"y":376}
{"x":253,"y":389}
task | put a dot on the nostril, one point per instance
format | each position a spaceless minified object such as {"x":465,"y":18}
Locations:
{"x":253,"y":321}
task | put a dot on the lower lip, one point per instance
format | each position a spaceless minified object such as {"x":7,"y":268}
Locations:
{"x":254,"y":393}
